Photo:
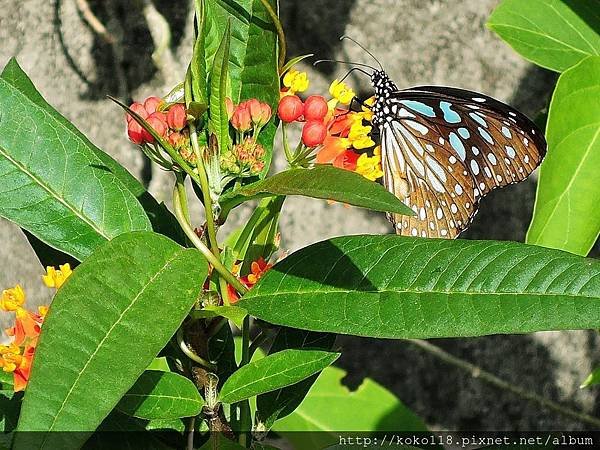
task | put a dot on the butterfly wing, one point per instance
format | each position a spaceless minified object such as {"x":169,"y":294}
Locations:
{"x":444,"y":148}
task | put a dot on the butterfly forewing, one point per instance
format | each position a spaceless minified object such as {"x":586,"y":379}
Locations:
{"x":444,"y":148}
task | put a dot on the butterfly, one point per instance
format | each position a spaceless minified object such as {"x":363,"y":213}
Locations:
{"x":443,"y":149}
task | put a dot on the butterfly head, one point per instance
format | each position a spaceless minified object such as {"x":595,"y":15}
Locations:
{"x":384,"y":87}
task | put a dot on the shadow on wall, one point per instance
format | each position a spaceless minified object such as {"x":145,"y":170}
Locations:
{"x":315,"y":27}
{"x":448,"y":398}
{"x":122,"y":66}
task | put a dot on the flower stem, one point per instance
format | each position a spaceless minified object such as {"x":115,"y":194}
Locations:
{"x":193,"y":237}
{"x":280,"y":33}
{"x":206,"y":191}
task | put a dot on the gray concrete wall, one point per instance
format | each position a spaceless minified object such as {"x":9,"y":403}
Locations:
{"x":419,"y":42}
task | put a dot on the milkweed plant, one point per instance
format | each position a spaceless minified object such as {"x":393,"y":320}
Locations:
{"x":162,"y":326}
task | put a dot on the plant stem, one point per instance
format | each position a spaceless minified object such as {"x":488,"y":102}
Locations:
{"x":206,"y":191}
{"x":190,"y":436}
{"x":182,"y":196}
{"x":244,"y":406}
{"x":280,"y":33}
{"x":190,"y":354}
{"x":478,"y":372}
{"x":193,"y":237}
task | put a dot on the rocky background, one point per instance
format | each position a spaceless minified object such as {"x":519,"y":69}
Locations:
{"x":419,"y":42}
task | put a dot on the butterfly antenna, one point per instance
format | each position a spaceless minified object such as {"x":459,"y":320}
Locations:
{"x":352,"y":70}
{"x":362,"y":47}
{"x":345,"y":62}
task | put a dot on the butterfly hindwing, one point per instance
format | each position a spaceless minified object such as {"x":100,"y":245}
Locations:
{"x":445,"y":148}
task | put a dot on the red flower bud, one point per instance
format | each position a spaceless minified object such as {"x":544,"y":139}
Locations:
{"x":135,"y":132}
{"x":315,"y":108}
{"x":230,"y":107}
{"x":151,"y":104}
{"x":241,"y":118}
{"x":314,"y":133}
{"x":290,"y":108}
{"x":177,"y":117}
{"x":139,"y":109}
{"x":158,"y":121}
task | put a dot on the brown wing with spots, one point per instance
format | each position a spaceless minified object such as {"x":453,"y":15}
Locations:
{"x":445,"y":148}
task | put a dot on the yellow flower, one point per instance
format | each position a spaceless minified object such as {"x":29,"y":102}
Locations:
{"x":10,"y":357}
{"x":12,"y":299}
{"x":359,"y":135}
{"x":367,"y":112}
{"x":369,"y":167}
{"x":55,"y":278}
{"x":295,"y":81}
{"x":341,"y":92}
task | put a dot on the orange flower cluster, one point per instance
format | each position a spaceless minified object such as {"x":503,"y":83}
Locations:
{"x":340,"y":136}
{"x":257,"y":269}
{"x":17,"y":356}
{"x":246,"y":157}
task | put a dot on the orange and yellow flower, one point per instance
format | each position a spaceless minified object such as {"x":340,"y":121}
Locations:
{"x":257,"y":269}
{"x":17,"y":356}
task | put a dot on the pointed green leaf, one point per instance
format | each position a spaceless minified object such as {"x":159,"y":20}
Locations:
{"x":566,"y":214}
{"x":198,"y":63}
{"x":555,"y":34}
{"x":278,"y":404}
{"x":219,"y":121}
{"x":326,"y":182}
{"x":401,"y":287}
{"x":330,"y":407}
{"x":260,"y":77}
{"x":52,"y":182}
{"x":273,"y":372}
{"x":592,"y":379}
{"x":107,"y":322}
{"x":233,"y":313}
{"x":161,"y":395}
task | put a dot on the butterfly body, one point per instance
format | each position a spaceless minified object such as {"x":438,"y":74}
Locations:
{"x":443,"y":149}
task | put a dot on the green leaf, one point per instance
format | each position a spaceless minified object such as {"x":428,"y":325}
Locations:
{"x":401,"y":287}
{"x":566,"y":214}
{"x":555,"y":34}
{"x":330,"y":407}
{"x":161,"y":218}
{"x":160,"y":363}
{"x":221,"y":350}
{"x":219,"y":121}
{"x":233,"y":313}
{"x":198,"y":62}
{"x":161,"y":395}
{"x":6,"y":380}
{"x":292,"y":62}
{"x":592,"y":379}
{"x":10,"y":404}
{"x":278,"y":404}
{"x":120,"y":432}
{"x":52,"y":181}
{"x":259,"y":235}
{"x":107,"y":322}
{"x":273,"y":372}
{"x":260,"y":77}
{"x":326,"y":182}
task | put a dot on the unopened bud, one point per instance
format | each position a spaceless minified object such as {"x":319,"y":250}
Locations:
{"x":177,"y":117}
